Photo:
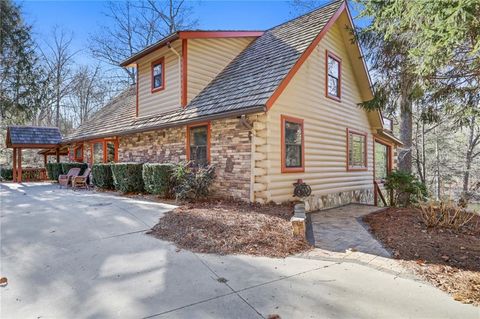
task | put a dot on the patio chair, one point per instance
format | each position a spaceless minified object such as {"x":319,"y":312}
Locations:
{"x":64,"y":180}
{"x":81,"y":181}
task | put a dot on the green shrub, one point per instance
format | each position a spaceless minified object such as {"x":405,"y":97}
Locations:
{"x":54,"y":170}
{"x":67,"y":166}
{"x":157,"y":178}
{"x":6,"y":174}
{"x":127,"y":177}
{"x":191,"y":184}
{"x":102,"y":176}
{"x":406,"y":187}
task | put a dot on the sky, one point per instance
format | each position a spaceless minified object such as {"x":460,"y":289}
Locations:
{"x":86,"y":17}
{"x":83,"y":18}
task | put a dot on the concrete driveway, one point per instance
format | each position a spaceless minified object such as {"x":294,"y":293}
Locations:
{"x":85,"y":255}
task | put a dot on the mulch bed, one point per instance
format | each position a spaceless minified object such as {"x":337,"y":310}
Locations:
{"x":447,"y":258}
{"x":231,"y":228}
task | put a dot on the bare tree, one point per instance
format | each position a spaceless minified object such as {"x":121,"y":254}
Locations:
{"x":88,"y":93}
{"x":58,"y":58}
{"x":134,"y":25}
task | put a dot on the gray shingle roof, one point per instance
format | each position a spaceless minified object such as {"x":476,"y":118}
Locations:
{"x":243,"y":86}
{"x":33,"y":135}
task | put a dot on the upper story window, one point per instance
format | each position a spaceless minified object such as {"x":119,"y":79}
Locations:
{"x":198,"y":144}
{"x":356,"y":150}
{"x":334,"y":76}
{"x":292,"y":145}
{"x":158,"y":75}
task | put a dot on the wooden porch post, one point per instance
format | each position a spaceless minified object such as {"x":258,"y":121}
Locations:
{"x":14,"y":165}
{"x":45,"y":160}
{"x":57,"y":153}
{"x":19,"y":180}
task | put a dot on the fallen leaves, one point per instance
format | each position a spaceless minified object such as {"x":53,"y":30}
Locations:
{"x":231,"y":228}
{"x":447,"y":258}
{"x":3,"y":281}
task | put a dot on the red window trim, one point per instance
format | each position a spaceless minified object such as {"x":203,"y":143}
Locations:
{"x":187,"y":144}
{"x":285,"y":169}
{"x":162,"y":62}
{"x":339,"y":60}
{"x":377,"y":139}
{"x":356,"y":169}
{"x":75,"y":158}
{"x":104,"y":146}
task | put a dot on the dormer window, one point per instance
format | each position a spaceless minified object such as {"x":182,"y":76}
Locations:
{"x":158,"y":75}
{"x":334,"y":76}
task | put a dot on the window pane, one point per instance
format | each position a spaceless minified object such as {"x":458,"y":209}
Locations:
{"x":293,"y":144}
{"x":198,"y":145}
{"x":78,"y":152}
{"x":333,"y":67}
{"x":98,"y":153}
{"x":356,"y":155}
{"x":381,"y":161}
{"x":110,"y":152}
{"x":332,"y":86}
{"x":157,"y":75}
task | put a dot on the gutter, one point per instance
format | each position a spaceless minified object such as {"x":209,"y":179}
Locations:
{"x":240,"y":112}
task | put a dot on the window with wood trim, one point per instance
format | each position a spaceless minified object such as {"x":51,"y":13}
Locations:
{"x":292,"y":139}
{"x":356,"y":150}
{"x":198,"y":144}
{"x":333,"y":76}
{"x":158,"y":75}
{"x":78,"y":153}
{"x":104,"y":151}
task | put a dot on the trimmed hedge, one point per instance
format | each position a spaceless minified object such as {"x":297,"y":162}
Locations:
{"x":157,"y":179}
{"x":6,"y":174}
{"x":53,"y":170}
{"x":102,"y":176}
{"x":67,"y":166}
{"x":127,"y":177}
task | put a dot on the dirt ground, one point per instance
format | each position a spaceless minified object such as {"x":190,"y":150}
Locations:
{"x":447,"y":258}
{"x":231,"y":228}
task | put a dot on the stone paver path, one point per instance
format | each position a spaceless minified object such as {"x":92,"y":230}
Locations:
{"x":341,"y":230}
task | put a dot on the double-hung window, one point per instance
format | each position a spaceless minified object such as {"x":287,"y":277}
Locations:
{"x":158,"y":75}
{"x":198,"y":144}
{"x":334,"y":76}
{"x":292,"y":140}
{"x":356,"y":150}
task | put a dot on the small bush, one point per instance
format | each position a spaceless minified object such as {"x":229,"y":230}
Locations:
{"x":67,"y":166}
{"x":407,"y":189}
{"x":102,"y":176}
{"x":127,"y":177}
{"x":6,"y":174}
{"x":157,"y":179}
{"x":444,"y":214}
{"x":191,"y":184}
{"x":54,"y":170}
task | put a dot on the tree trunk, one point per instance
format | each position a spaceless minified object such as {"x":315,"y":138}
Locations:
{"x":405,"y":153}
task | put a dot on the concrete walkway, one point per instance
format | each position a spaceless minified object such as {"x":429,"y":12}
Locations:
{"x":85,"y":255}
{"x":341,"y":230}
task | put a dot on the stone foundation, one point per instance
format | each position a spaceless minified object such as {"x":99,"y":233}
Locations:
{"x":319,"y":202}
{"x":230,"y":152}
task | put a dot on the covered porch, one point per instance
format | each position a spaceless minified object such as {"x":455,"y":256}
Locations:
{"x":32,"y":137}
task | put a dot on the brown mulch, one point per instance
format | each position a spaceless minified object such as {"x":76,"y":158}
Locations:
{"x":231,"y":228}
{"x":447,"y":258}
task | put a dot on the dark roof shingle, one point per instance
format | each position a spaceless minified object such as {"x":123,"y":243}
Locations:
{"x":33,"y":135}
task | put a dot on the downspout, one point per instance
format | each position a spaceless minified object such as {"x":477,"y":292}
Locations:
{"x":169,"y":45}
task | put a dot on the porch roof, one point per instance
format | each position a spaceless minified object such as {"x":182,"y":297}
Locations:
{"x":33,"y":137}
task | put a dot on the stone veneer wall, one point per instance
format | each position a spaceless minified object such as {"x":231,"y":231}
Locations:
{"x":318,"y":202}
{"x":230,"y":152}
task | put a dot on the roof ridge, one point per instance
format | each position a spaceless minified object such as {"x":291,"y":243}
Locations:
{"x":307,"y":13}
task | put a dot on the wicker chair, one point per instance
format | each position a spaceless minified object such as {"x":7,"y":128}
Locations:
{"x":64,"y":180}
{"x":81,"y":181}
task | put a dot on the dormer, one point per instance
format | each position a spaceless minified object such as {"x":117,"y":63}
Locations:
{"x":171,"y":72}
